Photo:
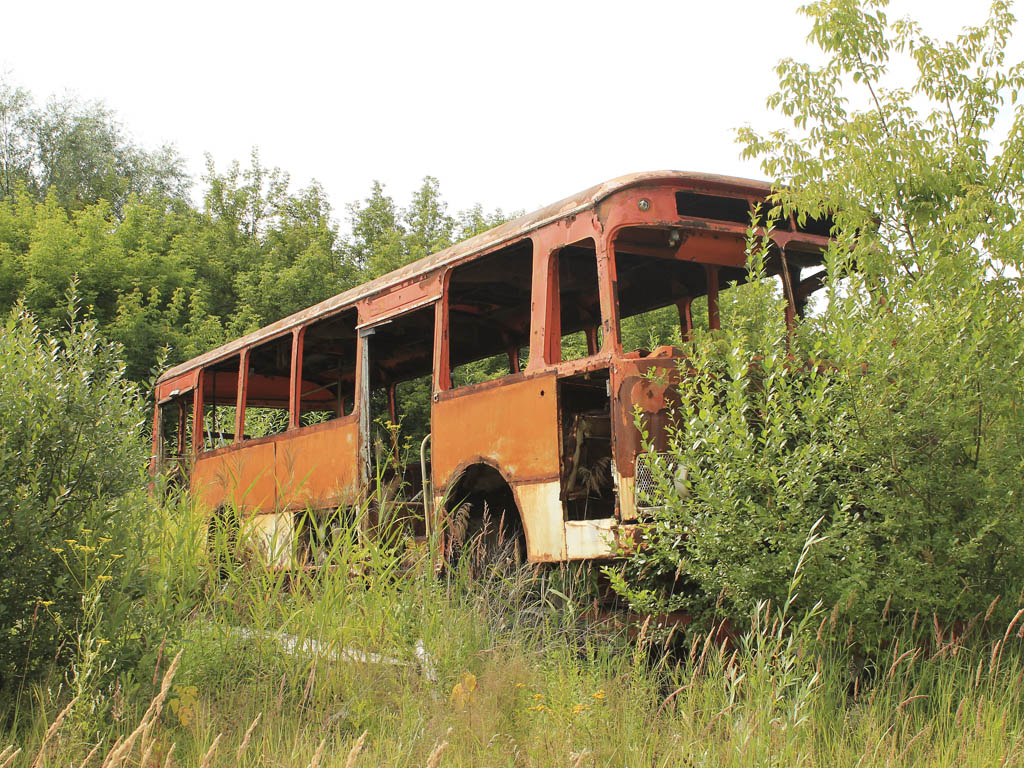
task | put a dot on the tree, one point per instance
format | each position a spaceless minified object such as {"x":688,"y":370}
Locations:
{"x":78,"y":152}
{"x":892,"y":419}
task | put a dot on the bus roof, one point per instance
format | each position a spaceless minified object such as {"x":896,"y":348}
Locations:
{"x":510,"y":230}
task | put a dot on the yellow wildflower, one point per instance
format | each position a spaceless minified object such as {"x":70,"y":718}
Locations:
{"x":598,"y":695}
{"x":538,"y":697}
{"x":579,"y":709}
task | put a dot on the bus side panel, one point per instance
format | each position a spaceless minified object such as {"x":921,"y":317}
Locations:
{"x":319,"y":467}
{"x":513,"y":427}
{"x":243,"y":477}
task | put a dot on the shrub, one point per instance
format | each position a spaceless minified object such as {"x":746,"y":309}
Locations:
{"x":70,"y":453}
{"x":894,"y":414}
{"x":891,"y":429}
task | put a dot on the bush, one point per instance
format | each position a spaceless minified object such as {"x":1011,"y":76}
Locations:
{"x":894,"y":414}
{"x":889,"y":428}
{"x":71,"y":451}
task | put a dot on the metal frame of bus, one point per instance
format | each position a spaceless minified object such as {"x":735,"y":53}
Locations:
{"x":511,"y":424}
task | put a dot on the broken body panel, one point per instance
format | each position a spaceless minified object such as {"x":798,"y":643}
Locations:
{"x":302,"y":394}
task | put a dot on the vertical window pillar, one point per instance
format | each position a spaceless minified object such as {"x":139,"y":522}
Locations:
{"x":685,"y":317}
{"x":295,"y":388}
{"x":538,"y":307}
{"x":197,"y":412}
{"x":790,"y":275}
{"x":243,"y":382}
{"x":606,"y":290}
{"x":714,"y":321}
{"x":442,"y":362}
{"x":552,"y":311}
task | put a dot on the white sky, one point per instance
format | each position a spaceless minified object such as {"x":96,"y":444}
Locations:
{"x":512,"y":104}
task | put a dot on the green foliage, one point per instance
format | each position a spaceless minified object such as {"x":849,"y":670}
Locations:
{"x":893,"y":415}
{"x":72,"y":456}
{"x":386,"y":237}
{"x":158,"y":273}
{"x":78,"y":153}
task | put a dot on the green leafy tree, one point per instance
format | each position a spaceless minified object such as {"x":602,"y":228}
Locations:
{"x":893,"y":415}
{"x":79,"y":152}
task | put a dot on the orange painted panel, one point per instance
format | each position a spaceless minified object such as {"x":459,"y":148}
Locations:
{"x":242,"y":476}
{"x":178,"y":384}
{"x":514,"y":425}
{"x":319,"y":466}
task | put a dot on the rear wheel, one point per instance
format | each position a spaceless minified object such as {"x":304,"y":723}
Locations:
{"x":484,"y":525}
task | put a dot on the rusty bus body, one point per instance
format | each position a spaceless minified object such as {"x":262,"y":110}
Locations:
{"x":555,"y":436}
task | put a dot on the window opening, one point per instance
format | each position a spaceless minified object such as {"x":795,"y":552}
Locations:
{"x":175,"y":433}
{"x":731,"y":209}
{"x":401,"y":361}
{"x":579,"y":301}
{"x":267,"y":388}
{"x":489,"y":314}
{"x":662,"y":299}
{"x":329,"y":352}
{"x":220,"y":400}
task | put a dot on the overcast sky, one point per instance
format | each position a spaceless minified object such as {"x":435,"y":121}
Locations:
{"x":512,"y":105}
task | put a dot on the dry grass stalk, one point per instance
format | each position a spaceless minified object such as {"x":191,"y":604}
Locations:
{"x":146,"y":743}
{"x":9,"y":758}
{"x":315,"y":762}
{"x":434,"y":759}
{"x":1011,"y":753}
{"x":996,"y":647}
{"x":205,"y":762}
{"x":245,"y":740}
{"x":309,"y":684}
{"x":991,"y":607}
{"x":912,"y":697}
{"x":896,"y":662}
{"x":147,"y":752}
{"x":88,"y":758}
{"x":910,"y":743}
{"x":167,"y":758}
{"x":280,"y":694}
{"x":159,"y":658}
{"x":117,"y":755}
{"x":1013,"y":621}
{"x":353,"y":753}
{"x":672,"y":695}
{"x":52,"y":730}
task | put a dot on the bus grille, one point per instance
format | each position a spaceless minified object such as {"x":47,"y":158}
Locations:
{"x":647,"y":493}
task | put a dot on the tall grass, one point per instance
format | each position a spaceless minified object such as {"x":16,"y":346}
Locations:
{"x":375,"y":659}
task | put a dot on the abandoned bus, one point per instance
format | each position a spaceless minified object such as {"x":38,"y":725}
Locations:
{"x":511,"y":351}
